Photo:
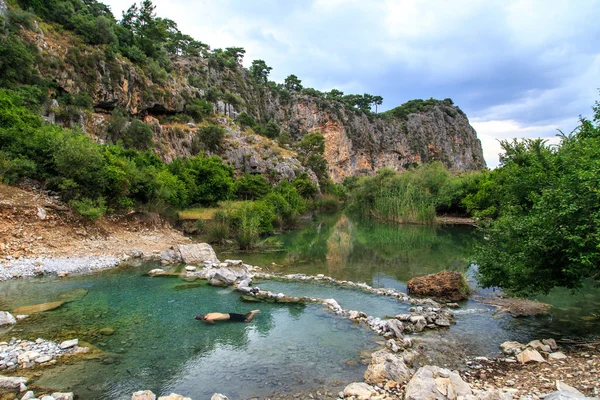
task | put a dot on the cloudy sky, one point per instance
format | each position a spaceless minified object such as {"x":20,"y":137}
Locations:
{"x":518,"y":68}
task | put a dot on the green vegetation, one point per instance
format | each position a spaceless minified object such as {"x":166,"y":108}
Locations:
{"x":546,"y":215}
{"x":413,"y":196}
{"x":418,"y":106}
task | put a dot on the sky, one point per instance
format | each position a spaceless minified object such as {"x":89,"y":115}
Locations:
{"x":518,"y":68}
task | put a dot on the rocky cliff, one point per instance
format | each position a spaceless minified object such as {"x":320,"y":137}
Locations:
{"x":355,"y":143}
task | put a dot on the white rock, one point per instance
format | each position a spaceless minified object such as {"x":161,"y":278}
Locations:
{"x":156,"y":272}
{"x":511,"y":348}
{"x":67,"y":344}
{"x":197,"y":253}
{"x":11,"y":382}
{"x":386,"y":366}
{"x":551,"y":343}
{"x":432,"y":382}
{"x":62,"y":396}
{"x":143,"y":395}
{"x":41,"y":213}
{"x":556,"y":356}
{"x":47,"y":398}
{"x":219,"y":396}
{"x":190,"y":268}
{"x":537,"y":345}
{"x":28,"y":396}
{"x":359,"y":390}
{"x":43,"y":359}
{"x":530,"y":356}
{"x":6,"y":318}
{"x":173,"y":396}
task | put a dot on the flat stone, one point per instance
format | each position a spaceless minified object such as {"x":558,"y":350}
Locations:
{"x":62,"y":396}
{"x":67,"y":344}
{"x":37,"y":308}
{"x":156,"y":272}
{"x":190,"y":268}
{"x":43,"y":359}
{"x":530,"y":356}
{"x":557,"y":356}
{"x":537,"y":345}
{"x":174,"y":396}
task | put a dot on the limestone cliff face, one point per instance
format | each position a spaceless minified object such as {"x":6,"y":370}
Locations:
{"x":354,"y":142}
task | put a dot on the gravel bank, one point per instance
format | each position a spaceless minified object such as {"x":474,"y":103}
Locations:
{"x":26,"y":267}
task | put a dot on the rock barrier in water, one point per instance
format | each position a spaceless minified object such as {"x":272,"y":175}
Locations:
{"x":27,"y":354}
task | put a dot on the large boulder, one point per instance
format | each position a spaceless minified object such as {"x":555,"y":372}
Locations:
{"x":445,"y":285}
{"x":433,"y":383}
{"x":386,"y":366}
{"x":6,"y":318}
{"x":197,"y":253}
{"x":227,"y":276}
{"x":359,"y":390}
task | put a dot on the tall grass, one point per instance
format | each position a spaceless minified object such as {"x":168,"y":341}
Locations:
{"x":411,"y":196}
{"x":248,"y":229}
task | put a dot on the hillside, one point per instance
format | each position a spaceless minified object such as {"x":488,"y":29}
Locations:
{"x":176,"y":91}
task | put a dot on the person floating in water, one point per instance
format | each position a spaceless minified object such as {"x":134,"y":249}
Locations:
{"x":215,"y":316}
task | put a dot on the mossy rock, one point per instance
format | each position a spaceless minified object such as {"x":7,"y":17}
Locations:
{"x":73,"y":295}
{"x":37,"y":308}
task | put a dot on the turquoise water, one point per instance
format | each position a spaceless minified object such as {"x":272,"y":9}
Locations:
{"x":158,"y":345}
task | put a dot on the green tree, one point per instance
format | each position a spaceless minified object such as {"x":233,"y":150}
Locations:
{"x":548,"y":225}
{"x":272,"y":130}
{"x":260,"y":71}
{"x":292,"y":83}
{"x":211,"y":137}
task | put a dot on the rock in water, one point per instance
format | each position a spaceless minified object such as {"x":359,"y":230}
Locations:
{"x":73,"y":295}
{"x":67,"y":344}
{"x":197,"y":253}
{"x":143,"y":395}
{"x":432,"y":382}
{"x":219,"y":396}
{"x":529,"y":355}
{"x":446,"y":285}
{"x":174,"y":396}
{"x":38,"y":308}
{"x":386,"y":366}
{"x":359,"y":390}
{"x":63,"y":396}
{"x":228,"y":276}
{"x":396,"y":327}
{"x":6,"y":318}
{"x":11,"y":382}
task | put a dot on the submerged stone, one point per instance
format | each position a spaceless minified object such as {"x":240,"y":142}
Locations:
{"x":37,"y":308}
{"x":73,"y":295}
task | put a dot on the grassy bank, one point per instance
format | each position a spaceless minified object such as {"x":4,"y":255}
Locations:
{"x":414,"y":196}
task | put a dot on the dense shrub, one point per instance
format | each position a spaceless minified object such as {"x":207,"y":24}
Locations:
{"x":137,"y":136}
{"x":199,"y":109}
{"x":210,"y":137}
{"x":252,"y":187}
